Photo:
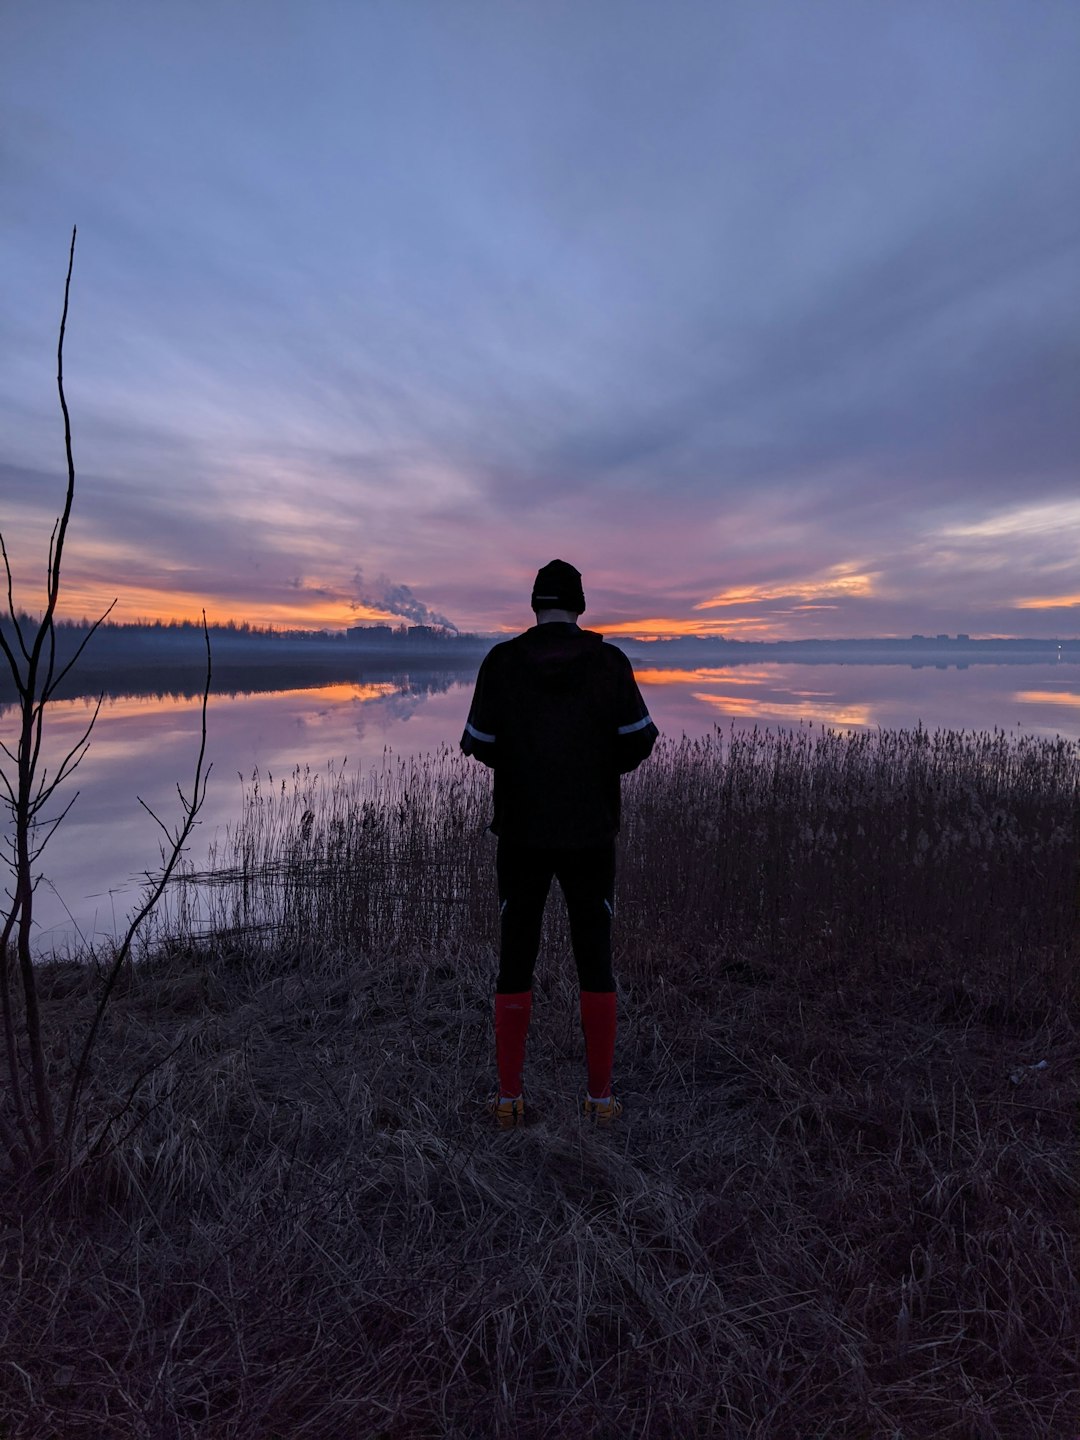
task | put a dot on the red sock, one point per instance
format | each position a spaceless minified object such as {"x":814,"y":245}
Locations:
{"x":598,"y":1023}
{"x":511,"y":1027}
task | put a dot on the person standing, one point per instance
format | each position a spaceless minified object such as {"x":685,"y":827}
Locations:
{"x":558,"y":717}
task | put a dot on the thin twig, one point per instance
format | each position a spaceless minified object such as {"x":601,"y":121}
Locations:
{"x":22,"y":1118}
{"x":53,"y":824}
{"x":198,"y":795}
{"x":14,"y":616}
{"x":67,"y":765}
{"x":29,"y":752}
{"x":51,"y":686}
{"x":126,"y":1106}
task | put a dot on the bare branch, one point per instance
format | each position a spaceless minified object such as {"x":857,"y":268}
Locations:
{"x":11,"y":608}
{"x":168,"y":833}
{"x":126,"y":1106}
{"x":34,"y":729}
{"x":52,"y":824}
{"x":10,"y":1137}
{"x":29,"y":752}
{"x":13,"y":664}
{"x":52,"y":550}
{"x":51,"y":685}
{"x":198,"y":795}
{"x":22,"y":1118}
{"x":54,"y":578}
{"x":50,"y":666}
{"x":35,"y":1111}
{"x":66,"y":768}
{"x":45,"y":792}
{"x":46,"y":630}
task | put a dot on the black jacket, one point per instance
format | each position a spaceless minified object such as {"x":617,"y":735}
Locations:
{"x":558,"y":716}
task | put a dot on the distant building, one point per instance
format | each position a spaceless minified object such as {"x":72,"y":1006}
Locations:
{"x":942,"y":637}
{"x":961,"y":636}
{"x":370,"y":634}
{"x":423,"y":632}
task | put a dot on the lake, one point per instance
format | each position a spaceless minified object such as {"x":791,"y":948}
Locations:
{"x":142,"y":746}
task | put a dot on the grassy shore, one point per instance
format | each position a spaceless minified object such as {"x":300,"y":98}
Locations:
{"x":841,"y":1202}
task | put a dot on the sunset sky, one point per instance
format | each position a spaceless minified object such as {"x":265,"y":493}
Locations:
{"x":764,"y":315}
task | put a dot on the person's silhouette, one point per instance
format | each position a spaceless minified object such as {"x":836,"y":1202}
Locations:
{"x":558,"y":716}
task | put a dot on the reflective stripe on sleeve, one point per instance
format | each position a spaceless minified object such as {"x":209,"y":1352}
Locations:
{"x":637,"y":725}
{"x":479,"y":734}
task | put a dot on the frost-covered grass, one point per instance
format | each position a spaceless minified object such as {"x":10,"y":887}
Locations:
{"x":840,"y":1201}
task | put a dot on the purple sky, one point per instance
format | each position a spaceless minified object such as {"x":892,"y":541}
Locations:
{"x":764,"y":315}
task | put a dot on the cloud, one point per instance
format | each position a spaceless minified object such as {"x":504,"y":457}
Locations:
{"x":838,"y":580}
{"x":1049,"y":602}
{"x":1021,"y":522}
{"x":749,"y":627}
{"x":723,"y":303}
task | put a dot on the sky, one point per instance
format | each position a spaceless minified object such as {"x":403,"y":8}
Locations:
{"x":764,"y":315}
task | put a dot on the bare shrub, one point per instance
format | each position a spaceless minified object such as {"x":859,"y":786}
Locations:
{"x":39,"y":1107}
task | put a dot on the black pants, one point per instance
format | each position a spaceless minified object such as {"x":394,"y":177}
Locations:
{"x":587,"y":880}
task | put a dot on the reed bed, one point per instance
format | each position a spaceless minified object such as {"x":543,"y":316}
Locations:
{"x":841,"y":1201}
{"x":876,"y":850}
{"x":829,"y":849}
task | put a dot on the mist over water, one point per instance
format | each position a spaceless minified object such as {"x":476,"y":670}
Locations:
{"x":143,"y":746}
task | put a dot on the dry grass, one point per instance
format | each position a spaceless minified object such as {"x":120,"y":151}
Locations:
{"x":837,"y":1204}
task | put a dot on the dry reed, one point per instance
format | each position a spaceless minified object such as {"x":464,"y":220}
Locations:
{"x":841,"y":1201}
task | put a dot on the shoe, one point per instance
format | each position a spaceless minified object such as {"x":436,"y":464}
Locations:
{"x":602,"y":1112}
{"x":508,"y":1113}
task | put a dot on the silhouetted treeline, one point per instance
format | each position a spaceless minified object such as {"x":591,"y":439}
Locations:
{"x":169,"y":657}
{"x":141,"y":632}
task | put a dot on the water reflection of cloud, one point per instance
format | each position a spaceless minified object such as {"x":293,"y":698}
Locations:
{"x":724,"y":675}
{"x":143,"y":745}
{"x":753,"y":707}
{"x":152,"y":707}
{"x":891,"y":696}
{"x":332,"y":697}
{"x":774,"y":700}
{"x":343,"y":694}
{"x":1047,"y":697}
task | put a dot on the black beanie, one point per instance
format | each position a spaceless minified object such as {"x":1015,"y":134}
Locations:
{"x":558,"y":587}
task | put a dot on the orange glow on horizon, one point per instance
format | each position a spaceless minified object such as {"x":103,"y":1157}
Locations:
{"x":139,"y":606}
{"x":656,"y":629}
{"x":665,"y":629}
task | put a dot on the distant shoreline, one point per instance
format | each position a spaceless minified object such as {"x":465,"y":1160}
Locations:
{"x":144,"y":660}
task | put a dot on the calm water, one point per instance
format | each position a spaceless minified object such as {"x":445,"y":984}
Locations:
{"x":143,"y":746}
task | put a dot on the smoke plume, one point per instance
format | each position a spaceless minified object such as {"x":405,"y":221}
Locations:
{"x":399,"y":600}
